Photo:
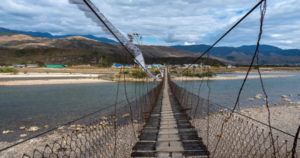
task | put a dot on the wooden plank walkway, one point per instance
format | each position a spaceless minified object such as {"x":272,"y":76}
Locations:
{"x":168,"y":133}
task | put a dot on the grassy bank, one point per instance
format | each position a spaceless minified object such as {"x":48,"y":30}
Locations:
{"x":9,"y":70}
{"x":199,"y":74}
{"x":136,"y":73}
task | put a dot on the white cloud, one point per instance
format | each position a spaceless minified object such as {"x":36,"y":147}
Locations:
{"x":171,"y":21}
{"x":189,"y":43}
{"x":275,"y":35}
{"x":286,"y":41}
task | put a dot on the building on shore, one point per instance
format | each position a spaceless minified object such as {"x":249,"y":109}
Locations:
{"x":55,"y":66}
{"x":117,"y":65}
{"x":32,"y":65}
{"x":20,"y":66}
{"x":191,"y":65}
{"x":128,"y":66}
{"x":157,"y":66}
{"x":230,"y":66}
{"x":206,"y":66}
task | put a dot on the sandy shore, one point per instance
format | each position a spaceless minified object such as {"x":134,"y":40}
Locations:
{"x":286,"y":118}
{"x":238,"y":77}
{"x":48,"y":78}
{"x":34,"y":75}
{"x":62,"y":78}
{"x":240,"y":129}
{"x":90,"y":134}
{"x":51,"y":81}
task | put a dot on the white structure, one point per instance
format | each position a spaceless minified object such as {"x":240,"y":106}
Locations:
{"x":32,"y":65}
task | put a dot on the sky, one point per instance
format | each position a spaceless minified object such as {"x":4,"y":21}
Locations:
{"x":162,"y":22}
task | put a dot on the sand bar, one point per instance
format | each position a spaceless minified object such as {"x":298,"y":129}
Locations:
{"x":237,"y":77}
{"x":33,"y":75}
{"x":48,"y":78}
{"x":52,"y":81}
{"x":285,"y":118}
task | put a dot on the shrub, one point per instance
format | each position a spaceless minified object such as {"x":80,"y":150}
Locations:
{"x":125,"y":72}
{"x":188,"y":73}
{"x":155,"y":72}
{"x":9,"y":70}
{"x":200,"y":75}
{"x":138,"y":74}
{"x":174,"y":72}
{"x":206,"y":74}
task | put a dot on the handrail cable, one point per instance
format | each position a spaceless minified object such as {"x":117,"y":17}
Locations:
{"x":225,"y":34}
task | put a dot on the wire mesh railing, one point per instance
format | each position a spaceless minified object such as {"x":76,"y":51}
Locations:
{"x":240,"y":136}
{"x":111,"y":132}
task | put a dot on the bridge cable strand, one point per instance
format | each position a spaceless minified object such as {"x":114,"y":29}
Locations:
{"x":198,"y":99}
{"x":208,"y":103}
{"x":248,"y":71}
{"x":262,"y":15}
{"x":295,"y":143}
{"x":127,"y":99}
{"x":224,"y":35}
{"x":60,"y":125}
{"x":115,"y":115}
{"x":100,"y":19}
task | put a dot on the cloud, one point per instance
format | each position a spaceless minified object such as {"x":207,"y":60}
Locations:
{"x":169,"y":21}
{"x":189,"y":43}
{"x":275,"y":35}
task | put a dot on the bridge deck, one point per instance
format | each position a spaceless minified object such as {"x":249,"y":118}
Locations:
{"x":168,"y":133}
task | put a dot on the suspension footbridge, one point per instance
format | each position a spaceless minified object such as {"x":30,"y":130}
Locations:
{"x":168,"y":132}
{"x":164,"y":119}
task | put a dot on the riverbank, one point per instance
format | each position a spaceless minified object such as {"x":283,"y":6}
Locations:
{"x":237,"y":77}
{"x":34,"y":78}
{"x":48,"y":79}
{"x":43,"y":74}
{"x":67,"y":138}
{"x":251,"y":131}
{"x":280,"y":115}
{"x":285,"y":118}
{"x":51,"y":81}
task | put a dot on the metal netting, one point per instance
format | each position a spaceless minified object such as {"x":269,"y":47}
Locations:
{"x":240,"y":136}
{"x":108,"y":133}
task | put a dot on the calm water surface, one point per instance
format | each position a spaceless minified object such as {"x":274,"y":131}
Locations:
{"x":54,"y":104}
{"x":224,"y":92}
{"x":39,"y":105}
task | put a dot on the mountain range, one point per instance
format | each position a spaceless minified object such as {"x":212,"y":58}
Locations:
{"x":23,"y":40}
{"x":268,"y":55}
{"x":5,"y":31}
{"x":16,"y":47}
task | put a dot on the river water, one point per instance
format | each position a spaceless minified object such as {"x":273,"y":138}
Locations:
{"x":38,"y":105}
{"x":224,"y":92}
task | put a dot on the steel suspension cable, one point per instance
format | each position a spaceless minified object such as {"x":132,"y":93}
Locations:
{"x":248,"y":71}
{"x":295,"y":143}
{"x":263,"y":12}
{"x":225,"y":34}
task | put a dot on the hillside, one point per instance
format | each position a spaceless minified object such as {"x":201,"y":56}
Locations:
{"x":4,"y":31}
{"x":241,"y":55}
{"x":19,"y":48}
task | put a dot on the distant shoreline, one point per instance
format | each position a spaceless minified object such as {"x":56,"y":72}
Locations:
{"x":50,"y":82}
{"x":62,"y":78}
{"x":49,"y":78}
{"x":238,"y":77}
{"x":34,"y":78}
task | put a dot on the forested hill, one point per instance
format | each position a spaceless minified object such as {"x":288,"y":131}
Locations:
{"x":242,"y":55}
